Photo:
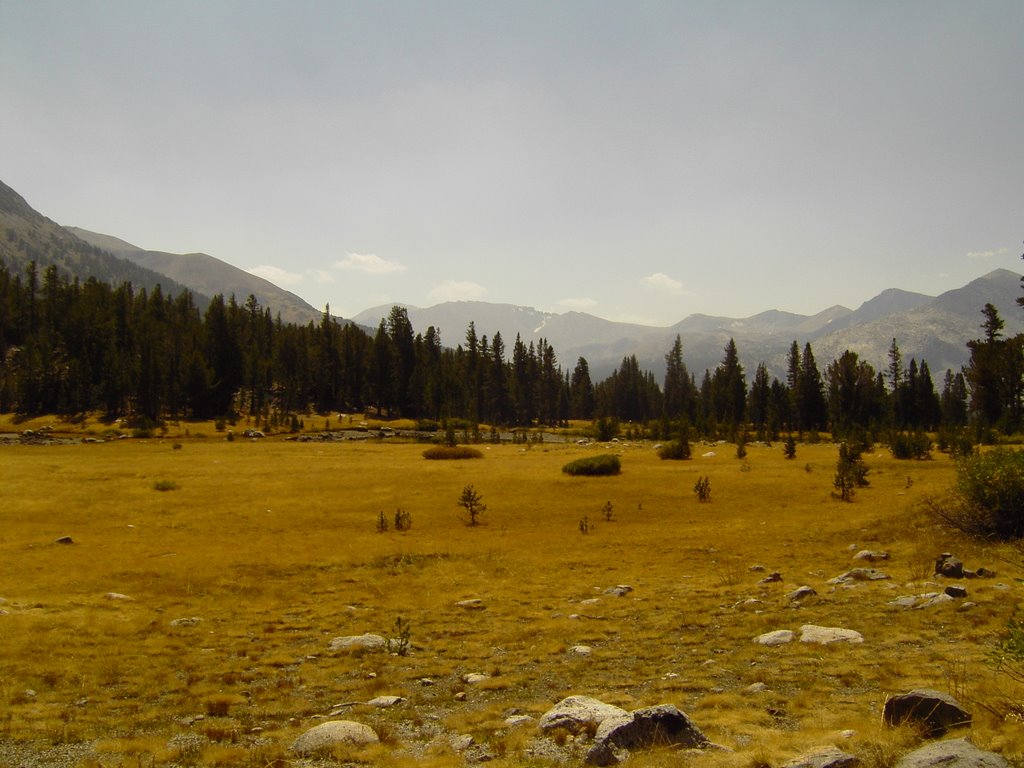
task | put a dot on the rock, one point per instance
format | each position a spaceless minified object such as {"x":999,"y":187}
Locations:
{"x":934,"y":600}
{"x":955,"y":590}
{"x":756,"y":688}
{"x":188,"y":621}
{"x":326,"y":735}
{"x":517,"y":721}
{"x":116,"y":596}
{"x":750,"y":604}
{"x":590,"y":601}
{"x":473,"y":604}
{"x":801,"y":593}
{"x":577,"y":713}
{"x":662,"y":725}
{"x":772,"y":578}
{"x":460,"y":696}
{"x":949,"y":566}
{"x":581,"y":650}
{"x":952,"y":753}
{"x":64,"y":540}
{"x":810,"y":633}
{"x":934,"y":711}
{"x":383,"y":702}
{"x":778,"y":637}
{"x":860,"y":574}
{"x":366,"y":642}
{"x":871,"y":556}
{"x":426,"y":682}
{"x":620,"y":590}
{"x":757,"y":569}
{"x":827,"y":757}
{"x":985,"y":573}
{"x":475,"y":678}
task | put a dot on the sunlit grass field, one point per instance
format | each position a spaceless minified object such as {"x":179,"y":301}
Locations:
{"x":274,"y":547}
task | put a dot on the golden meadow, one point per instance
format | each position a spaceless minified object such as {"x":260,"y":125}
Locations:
{"x":274,"y":546}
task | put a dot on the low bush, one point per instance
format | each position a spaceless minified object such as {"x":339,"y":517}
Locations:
{"x":605,"y":464}
{"x":165,"y":485}
{"x":910,"y":445}
{"x":675,"y":450}
{"x":988,"y":499}
{"x":443,"y":452}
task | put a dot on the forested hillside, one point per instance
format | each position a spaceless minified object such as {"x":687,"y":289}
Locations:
{"x":70,"y":346}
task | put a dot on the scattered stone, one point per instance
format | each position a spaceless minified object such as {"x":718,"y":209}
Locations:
{"x":366,"y":642}
{"x":778,"y":637}
{"x":116,"y":596}
{"x":966,"y":606}
{"x":460,"y":743}
{"x":860,"y":574}
{"x":934,"y":600}
{"x":426,"y":682}
{"x":662,"y":725}
{"x":64,"y":540}
{"x":849,"y":733}
{"x":871,"y":556}
{"x":771,"y":578}
{"x":934,"y":711}
{"x":581,"y":650}
{"x":949,"y":566}
{"x":590,"y":601}
{"x":460,"y":696}
{"x":326,"y":735}
{"x":576,"y":713}
{"x":756,"y":688}
{"x":955,"y":590}
{"x":985,"y":573}
{"x":952,"y":753}
{"x":827,"y":757}
{"x":383,"y":702}
{"x":620,"y":590}
{"x":918,"y":602}
{"x":750,"y":604}
{"x":758,"y":569}
{"x":188,"y":621}
{"x":810,"y":633}
{"x":475,"y":678}
{"x":517,"y":721}
{"x":800,"y":594}
{"x":473,"y":604}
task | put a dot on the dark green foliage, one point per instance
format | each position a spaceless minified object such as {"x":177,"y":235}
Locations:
{"x":789,"y":448}
{"x":989,"y":495}
{"x":851,"y":472}
{"x":741,"y":446}
{"x":584,"y":525}
{"x":452,"y":452}
{"x":703,"y":489}
{"x":606,"y":429}
{"x":675,"y":450}
{"x":608,"y":511}
{"x":398,"y":644}
{"x":910,"y":445}
{"x":403,"y":520}
{"x":382,"y":522}
{"x":165,"y":485}
{"x":958,"y":442}
{"x":605,"y":464}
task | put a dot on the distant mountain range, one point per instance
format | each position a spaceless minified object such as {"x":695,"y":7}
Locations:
{"x":932,"y":328}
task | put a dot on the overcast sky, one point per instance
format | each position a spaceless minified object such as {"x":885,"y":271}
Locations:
{"x":640,"y":161}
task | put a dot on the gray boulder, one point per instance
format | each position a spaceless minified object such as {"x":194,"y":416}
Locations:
{"x":660,"y":726}
{"x":777,"y":637}
{"x":578,"y":713}
{"x":871,"y":556}
{"x":800,"y":594}
{"x":334,"y":732}
{"x":811,"y":633}
{"x":828,"y":757}
{"x":933,"y":711}
{"x":953,"y":753}
{"x":367,"y":642}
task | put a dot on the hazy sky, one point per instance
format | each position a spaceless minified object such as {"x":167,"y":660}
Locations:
{"x":640,"y":161}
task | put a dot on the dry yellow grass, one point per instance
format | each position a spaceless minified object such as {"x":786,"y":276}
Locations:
{"x":273,"y":546}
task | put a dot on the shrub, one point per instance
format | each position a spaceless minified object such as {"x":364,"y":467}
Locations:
{"x":989,"y":495}
{"x":676,"y":450}
{"x":608,"y":511}
{"x":851,"y":472}
{"x":585,"y":525}
{"x":605,"y":464}
{"x":165,"y":485}
{"x":606,"y":429}
{"x":382,"y":522}
{"x":703,"y":489}
{"x":399,"y":644}
{"x":789,"y":449}
{"x":472,"y":502}
{"x":910,"y":445}
{"x":445,"y":452}
{"x":403,"y":520}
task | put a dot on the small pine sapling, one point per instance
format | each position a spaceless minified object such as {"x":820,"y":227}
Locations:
{"x":703,"y":489}
{"x":789,"y":449}
{"x":382,"y":523}
{"x":608,"y":512}
{"x":472,"y":502}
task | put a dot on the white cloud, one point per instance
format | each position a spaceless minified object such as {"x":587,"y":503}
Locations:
{"x":659,"y":281}
{"x":320,"y":275}
{"x":276,"y":275}
{"x":577,"y":304}
{"x":457,"y":290}
{"x":370,"y":263}
{"x":985,"y":254}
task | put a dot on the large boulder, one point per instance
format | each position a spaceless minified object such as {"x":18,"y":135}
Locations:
{"x":953,"y":753}
{"x":367,"y":642}
{"x":933,"y":711}
{"x":332,"y":733}
{"x":579,"y":713}
{"x":949,"y":566}
{"x":811,"y":633}
{"x":660,"y":726}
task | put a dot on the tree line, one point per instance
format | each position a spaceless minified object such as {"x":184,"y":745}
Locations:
{"x":69,"y":347}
